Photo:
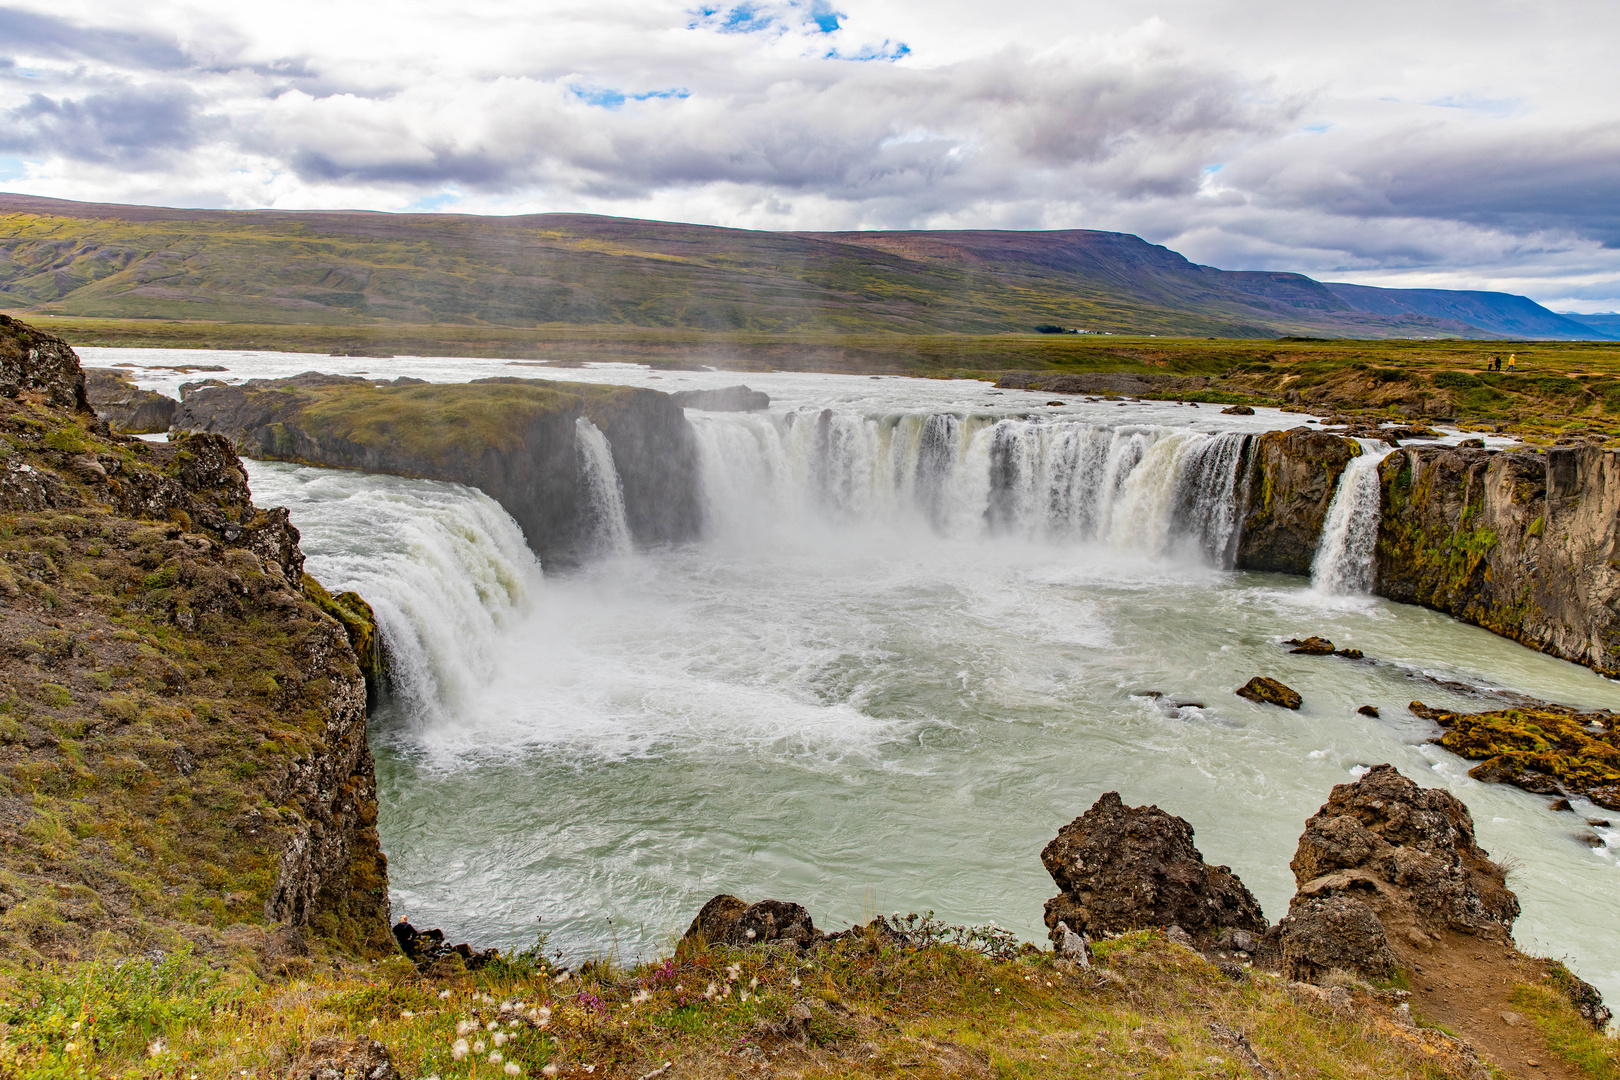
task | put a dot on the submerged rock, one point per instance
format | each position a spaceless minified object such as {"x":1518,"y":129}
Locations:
{"x":1311,"y":646}
{"x":1385,"y":851}
{"x":1369,"y":710}
{"x":726,"y":920}
{"x":1238,"y":410}
{"x":1265,"y":691}
{"x":1131,"y":868}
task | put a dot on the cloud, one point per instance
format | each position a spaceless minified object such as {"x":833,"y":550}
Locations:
{"x":29,"y":33}
{"x":1249,"y":135}
{"x":133,"y":125}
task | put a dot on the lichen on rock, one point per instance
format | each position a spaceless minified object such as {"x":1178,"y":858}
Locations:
{"x":1263,"y":690}
{"x":1544,"y":748}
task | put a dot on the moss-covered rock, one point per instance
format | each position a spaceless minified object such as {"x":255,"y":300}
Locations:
{"x":515,"y":439}
{"x":183,"y":747}
{"x":359,"y":622}
{"x":1520,"y":543}
{"x":1266,"y":691}
{"x":1291,"y":482}
{"x":1547,"y":749}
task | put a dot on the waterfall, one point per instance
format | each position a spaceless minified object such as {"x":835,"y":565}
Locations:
{"x":443,"y":566}
{"x":1153,"y":490}
{"x":606,"y":493}
{"x":1344,"y":563}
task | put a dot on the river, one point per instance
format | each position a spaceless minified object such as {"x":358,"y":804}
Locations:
{"x":924,"y":630}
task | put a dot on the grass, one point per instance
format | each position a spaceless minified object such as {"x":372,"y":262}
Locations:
{"x":863,"y":1007}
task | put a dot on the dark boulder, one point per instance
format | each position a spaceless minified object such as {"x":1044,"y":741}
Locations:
{"x":726,"y":920}
{"x":1404,"y":855}
{"x":426,"y":948}
{"x":731,"y":399}
{"x":1238,"y":410}
{"x":1130,"y":868}
{"x":1369,"y":710}
{"x":1311,"y":646}
{"x":1328,"y":933}
{"x":1264,"y":691}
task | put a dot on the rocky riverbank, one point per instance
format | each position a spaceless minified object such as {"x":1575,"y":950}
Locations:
{"x":183,"y":756}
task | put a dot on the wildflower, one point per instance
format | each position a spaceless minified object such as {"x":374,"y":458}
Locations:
{"x":511,"y":1023}
{"x":72,"y":1048}
{"x":478,"y":1046}
{"x":590,"y":1068}
{"x":405,"y":1014}
{"x":752,"y":935}
{"x":458,"y":1051}
{"x":75,"y":1025}
{"x":734,"y":971}
{"x":753,"y":984}
{"x":500,"y":1038}
{"x":794,"y":981}
{"x":641,"y":997}
{"x":564,"y":977}
{"x":494,"y":1057}
{"x":157,"y":1048}
{"x":998,"y":989}
{"x":744,"y":997}
{"x":465,"y":1027}
{"x":512,"y":1069}
{"x":708,"y":994}
{"x":492,"y":1025}
{"x":444,"y":995}
{"x":549,"y":1071}
{"x":679,"y":987}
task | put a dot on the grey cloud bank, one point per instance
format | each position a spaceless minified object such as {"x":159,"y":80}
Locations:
{"x":1230,"y":132}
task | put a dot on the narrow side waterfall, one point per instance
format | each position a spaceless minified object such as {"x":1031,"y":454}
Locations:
{"x":1344,"y":564}
{"x":1154,"y":490}
{"x":446,"y":570}
{"x":606,"y":492}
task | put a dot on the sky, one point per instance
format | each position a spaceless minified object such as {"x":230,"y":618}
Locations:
{"x":1432,"y":144}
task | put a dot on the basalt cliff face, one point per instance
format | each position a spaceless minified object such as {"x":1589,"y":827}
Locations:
{"x":515,"y":439}
{"x":1290,"y":488}
{"x":1523,"y":544}
{"x":183,"y":746}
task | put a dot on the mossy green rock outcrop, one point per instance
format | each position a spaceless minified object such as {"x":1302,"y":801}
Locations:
{"x":515,"y":439}
{"x":1544,"y":748}
{"x":1290,"y":487}
{"x":183,"y":752}
{"x":1524,"y":544}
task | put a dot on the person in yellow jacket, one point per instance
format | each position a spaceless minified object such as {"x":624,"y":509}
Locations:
{"x":1512,"y":360}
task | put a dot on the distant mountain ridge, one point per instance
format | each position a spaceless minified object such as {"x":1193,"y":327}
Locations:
{"x":1607,"y":322}
{"x":359,"y":268}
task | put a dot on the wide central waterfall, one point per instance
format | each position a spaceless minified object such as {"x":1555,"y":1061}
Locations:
{"x":925,"y":624}
{"x":1143,"y":489}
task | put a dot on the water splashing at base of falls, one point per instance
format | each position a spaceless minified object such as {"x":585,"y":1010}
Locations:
{"x":1345,"y":562}
{"x":603,"y":489}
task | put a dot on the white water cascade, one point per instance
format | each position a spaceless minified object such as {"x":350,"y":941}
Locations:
{"x":1344,"y":564}
{"x":608,"y":523}
{"x":1146,"y":489}
{"x":445,"y":569}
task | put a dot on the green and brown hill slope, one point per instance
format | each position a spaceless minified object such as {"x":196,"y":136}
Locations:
{"x":354,"y":268}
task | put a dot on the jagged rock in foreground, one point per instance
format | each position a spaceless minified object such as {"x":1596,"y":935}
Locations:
{"x":183,"y":746}
{"x":726,"y":920}
{"x":126,"y":407}
{"x":1544,"y":748}
{"x":1294,"y":475}
{"x":1520,"y":543}
{"x":1131,"y":868}
{"x":514,"y":439}
{"x":1388,"y":864}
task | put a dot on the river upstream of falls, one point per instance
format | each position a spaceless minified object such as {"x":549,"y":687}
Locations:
{"x":899,"y":661}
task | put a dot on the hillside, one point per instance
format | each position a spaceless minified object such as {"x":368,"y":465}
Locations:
{"x":349,"y":268}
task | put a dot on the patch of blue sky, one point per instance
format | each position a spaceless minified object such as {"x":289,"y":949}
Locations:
{"x":604,"y":97}
{"x":1318,"y":128}
{"x":12,"y":168}
{"x":824,"y":17}
{"x":430,"y":203}
{"x":745,"y":19}
{"x":888,"y":52}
